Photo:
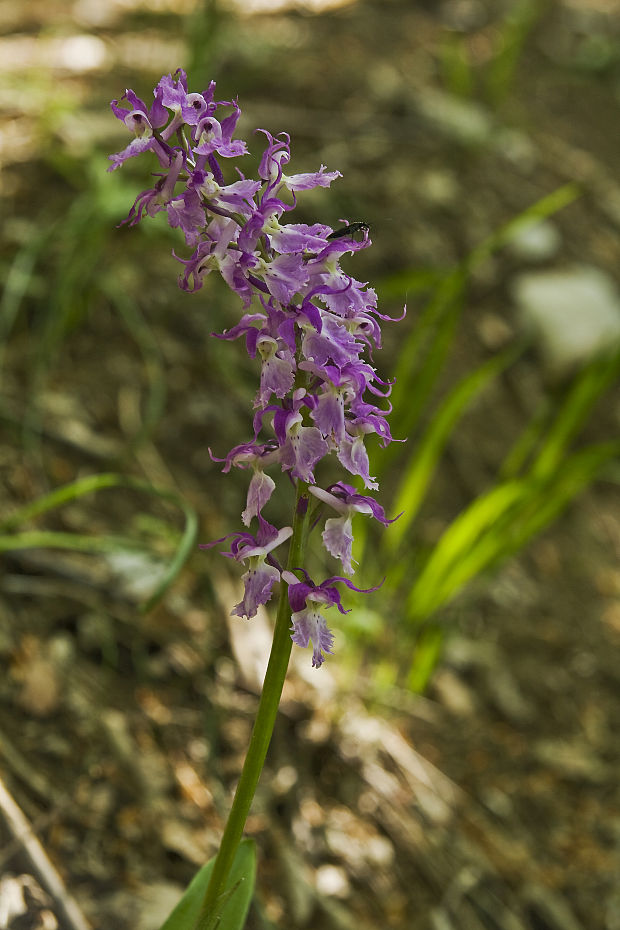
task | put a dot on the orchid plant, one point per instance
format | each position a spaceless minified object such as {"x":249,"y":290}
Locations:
{"x":308,"y":324}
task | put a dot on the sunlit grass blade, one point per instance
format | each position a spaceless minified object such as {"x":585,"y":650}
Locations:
{"x":422,"y":465}
{"x":499,"y":524}
{"x":76,"y":542}
{"x":500,"y":71}
{"x":427,"y":650}
{"x":432,"y":586}
{"x":544,"y":208}
{"x":584,"y":392}
{"x":525,"y":444}
{"x":569,"y":479}
{"x":427,"y":345}
{"x":18,"y":281}
{"x":88,"y":485}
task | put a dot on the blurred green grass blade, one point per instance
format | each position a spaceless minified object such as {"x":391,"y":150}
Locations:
{"x":499,"y":524}
{"x":89,"y":485}
{"x":66,"y":493}
{"x":398,"y":283}
{"x":494,"y":542}
{"x":575,"y":474}
{"x":19,"y":278}
{"x":544,"y":208}
{"x":553,"y":435}
{"x":202,"y":29}
{"x":426,"y":347}
{"x":409,"y":281}
{"x":423,"y":463}
{"x":463,"y":534}
{"x":455,"y":65}
{"x":448,"y":293}
{"x":584,"y":392}
{"x":416,"y":386}
{"x":184,"y":549}
{"x":49,"y":539}
{"x":79,"y":248}
{"x":521,"y":18}
{"x":142,"y":335}
{"x":527,"y":441}
{"x":426,"y":655}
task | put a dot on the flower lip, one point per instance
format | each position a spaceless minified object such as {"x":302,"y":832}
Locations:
{"x":282,"y":535}
{"x":138,"y":122}
{"x":344,"y":498}
{"x":246,"y":546}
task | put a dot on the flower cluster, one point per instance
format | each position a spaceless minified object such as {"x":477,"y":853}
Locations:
{"x":305,"y":320}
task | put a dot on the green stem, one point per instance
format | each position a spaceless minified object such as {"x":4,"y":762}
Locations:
{"x":263,"y":725}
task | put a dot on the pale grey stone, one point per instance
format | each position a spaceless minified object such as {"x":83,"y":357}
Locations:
{"x":573,"y":314}
{"x":536,"y":242}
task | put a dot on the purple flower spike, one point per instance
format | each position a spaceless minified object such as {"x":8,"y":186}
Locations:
{"x":306,"y":322}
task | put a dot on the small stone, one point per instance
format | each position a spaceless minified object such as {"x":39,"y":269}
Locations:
{"x":439,"y":186}
{"x":459,"y":119}
{"x":332,"y":880}
{"x":453,"y":693}
{"x":159,"y":901}
{"x":536,"y":242}
{"x":40,"y":691}
{"x":573,"y":314}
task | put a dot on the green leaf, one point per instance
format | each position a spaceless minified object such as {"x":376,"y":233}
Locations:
{"x":587,"y":388}
{"x":88,"y":485}
{"x":425,"y":658}
{"x":235,"y":900}
{"x":425,"y":348}
{"x":438,"y":579}
{"x":423,"y":463}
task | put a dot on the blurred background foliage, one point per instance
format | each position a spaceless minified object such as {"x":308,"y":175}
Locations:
{"x":478,"y":139}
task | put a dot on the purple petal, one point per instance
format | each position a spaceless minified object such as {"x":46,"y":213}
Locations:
{"x":353,"y":455}
{"x":338,"y":540}
{"x":303,"y":449}
{"x":277,"y":377}
{"x":187,"y":213}
{"x":285,"y":275}
{"x":259,"y":582}
{"x":135,"y":147}
{"x":295,"y":237}
{"x":260,"y":490}
{"x":310,"y":626}
{"x":328,"y":414}
{"x":304,"y":182}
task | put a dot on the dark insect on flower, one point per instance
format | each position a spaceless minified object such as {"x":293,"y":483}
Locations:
{"x":349,"y":230}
